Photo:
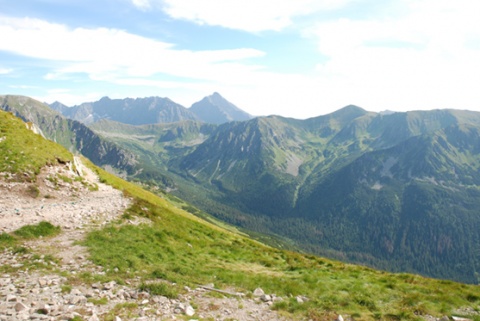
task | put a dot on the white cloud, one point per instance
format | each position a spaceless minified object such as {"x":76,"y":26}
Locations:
{"x":424,"y":57}
{"x":142,"y":4}
{"x":67,"y":97}
{"x":123,"y":59}
{"x":4,"y":71}
{"x":247,"y":15}
{"x":22,"y":87}
{"x":108,"y":53}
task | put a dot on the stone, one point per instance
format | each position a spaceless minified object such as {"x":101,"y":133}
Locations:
{"x":20,"y":307}
{"x":76,"y":292}
{"x":339,"y":318}
{"x":258,"y":292}
{"x":179,"y":308}
{"x":190,"y":311}
{"x":109,"y":285}
{"x":266,"y":298}
{"x":11,"y":298}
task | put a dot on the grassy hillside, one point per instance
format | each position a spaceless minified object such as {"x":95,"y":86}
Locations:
{"x":24,"y":153}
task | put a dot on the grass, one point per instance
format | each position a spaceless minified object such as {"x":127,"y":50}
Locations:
{"x":13,"y":242}
{"x":24,"y":153}
{"x":183,"y":249}
{"x":160,"y":288}
{"x":7,"y":240}
{"x":101,"y":301}
{"x":33,"y":191}
{"x":125,"y":310}
{"x":42,"y":229}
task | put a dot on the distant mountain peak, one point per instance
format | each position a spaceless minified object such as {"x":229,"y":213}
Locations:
{"x":351,"y":108}
{"x":217,"y":110}
{"x":215,"y":98}
{"x":133,"y":111}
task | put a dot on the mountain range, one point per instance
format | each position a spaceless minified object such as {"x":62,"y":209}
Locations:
{"x":140,"y":111}
{"x":397,"y":191}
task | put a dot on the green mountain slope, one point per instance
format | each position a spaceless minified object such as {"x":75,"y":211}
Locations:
{"x":155,"y":145}
{"x":410,"y":207}
{"x":175,"y":246}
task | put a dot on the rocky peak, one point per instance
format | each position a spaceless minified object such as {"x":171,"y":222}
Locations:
{"x":217,"y":110}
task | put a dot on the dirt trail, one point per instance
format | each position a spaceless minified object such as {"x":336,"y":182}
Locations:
{"x":61,"y":197}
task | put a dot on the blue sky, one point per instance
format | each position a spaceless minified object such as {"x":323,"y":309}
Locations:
{"x":299,"y":58}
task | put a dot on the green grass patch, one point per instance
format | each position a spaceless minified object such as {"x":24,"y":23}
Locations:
{"x":6,"y":240}
{"x":160,"y":288}
{"x":101,"y":301}
{"x":66,"y":288}
{"x":42,"y":229}
{"x":125,"y":310}
{"x":65,"y":179}
{"x":33,"y":191}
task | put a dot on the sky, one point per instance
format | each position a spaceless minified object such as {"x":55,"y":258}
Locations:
{"x":294,"y":58}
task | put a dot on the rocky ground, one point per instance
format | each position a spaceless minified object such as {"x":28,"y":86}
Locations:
{"x":39,"y":282}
